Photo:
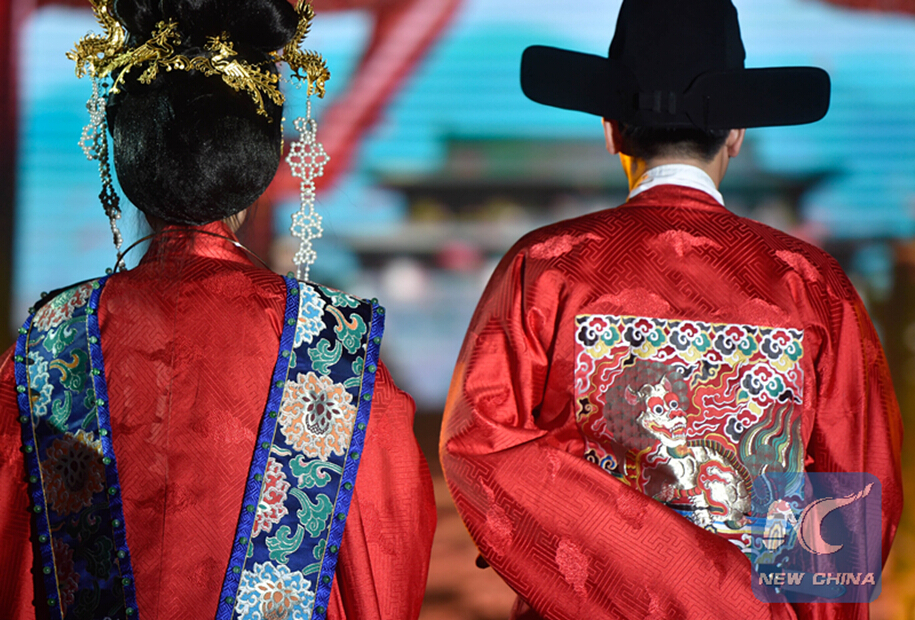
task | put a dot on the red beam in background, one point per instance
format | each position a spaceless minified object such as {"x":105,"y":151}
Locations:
{"x":890,"y":6}
{"x":404,"y":31}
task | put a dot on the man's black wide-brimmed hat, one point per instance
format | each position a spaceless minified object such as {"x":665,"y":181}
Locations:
{"x":675,"y":63}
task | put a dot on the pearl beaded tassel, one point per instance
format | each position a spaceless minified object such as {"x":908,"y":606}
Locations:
{"x":94,"y":143}
{"x":306,"y":159}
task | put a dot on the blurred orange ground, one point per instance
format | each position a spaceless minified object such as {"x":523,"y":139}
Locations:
{"x":457,"y":589}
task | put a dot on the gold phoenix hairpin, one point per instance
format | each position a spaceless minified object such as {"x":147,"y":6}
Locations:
{"x":108,"y":54}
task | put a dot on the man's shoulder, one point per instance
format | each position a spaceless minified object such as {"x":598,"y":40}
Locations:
{"x":809,"y":261}
{"x":557,"y":241}
{"x":553,"y":240}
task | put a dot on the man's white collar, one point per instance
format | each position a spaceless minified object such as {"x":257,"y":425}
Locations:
{"x":677,"y":174}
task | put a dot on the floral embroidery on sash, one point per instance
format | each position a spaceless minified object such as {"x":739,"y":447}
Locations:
{"x":304,"y":470}
{"x":309,"y":322}
{"x":273,"y":591}
{"x":272,"y":505}
{"x":67,"y":575}
{"x":317,"y":416}
{"x":73,"y":479}
{"x":61,"y":308}
{"x":73,"y":472}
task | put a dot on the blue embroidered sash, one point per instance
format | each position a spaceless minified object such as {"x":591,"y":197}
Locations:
{"x":300,"y":482}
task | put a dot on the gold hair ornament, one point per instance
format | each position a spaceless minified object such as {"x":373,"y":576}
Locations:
{"x":108,"y":55}
{"x":307,"y":67}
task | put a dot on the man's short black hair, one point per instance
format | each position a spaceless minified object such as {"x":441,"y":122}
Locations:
{"x":651,"y":142}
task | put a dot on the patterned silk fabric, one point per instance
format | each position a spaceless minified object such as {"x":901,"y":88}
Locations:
{"x":190,"y":338}
{"x":650,"y":357}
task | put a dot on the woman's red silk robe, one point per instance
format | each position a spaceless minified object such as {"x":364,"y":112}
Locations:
{"x":190,"y":338}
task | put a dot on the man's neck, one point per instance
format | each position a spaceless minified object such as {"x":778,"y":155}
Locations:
{"x":635,"y":168}
{"x":680,"y":174}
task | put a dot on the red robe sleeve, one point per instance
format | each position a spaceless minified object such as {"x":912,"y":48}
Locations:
{"x":384,"y":558}
{"x":573,"y":541}
{"x":16,"y":587}
{"x":857,"y":425}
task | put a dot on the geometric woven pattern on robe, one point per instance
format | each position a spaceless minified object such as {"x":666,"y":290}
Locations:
{"x":689,"y":412}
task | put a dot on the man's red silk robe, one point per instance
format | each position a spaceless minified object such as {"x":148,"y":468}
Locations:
{"x":576,"y":542}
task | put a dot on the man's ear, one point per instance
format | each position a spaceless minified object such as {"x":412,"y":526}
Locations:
{"x":612,"y":136}
{"x":735,"y":141}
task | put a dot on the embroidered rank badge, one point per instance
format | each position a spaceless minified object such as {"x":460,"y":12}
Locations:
{"x":689,"y":412}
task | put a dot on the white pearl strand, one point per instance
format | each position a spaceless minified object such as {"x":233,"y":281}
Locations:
{"x":306,"y":159}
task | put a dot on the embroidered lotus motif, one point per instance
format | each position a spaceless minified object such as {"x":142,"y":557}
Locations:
{"x":271,"y":508}
{"x":73,"y":472}
{"x":317,"y":416}
{"x":61,"y":308}
{"x":67,"y":577}
{"x":274,"y":593}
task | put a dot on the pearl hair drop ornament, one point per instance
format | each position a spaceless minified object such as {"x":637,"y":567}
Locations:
{"x":306,"y":159}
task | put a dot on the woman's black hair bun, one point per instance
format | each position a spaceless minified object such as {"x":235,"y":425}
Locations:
{"x":262,"y":25}
{"x":193,"y":150}
{"x":188,"y":148}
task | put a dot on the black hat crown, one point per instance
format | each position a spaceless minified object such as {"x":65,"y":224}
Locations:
{"x":675,"y":63}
